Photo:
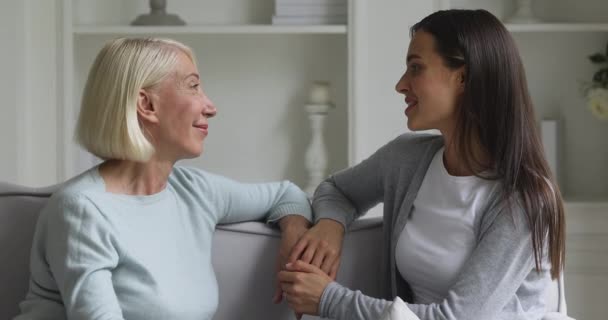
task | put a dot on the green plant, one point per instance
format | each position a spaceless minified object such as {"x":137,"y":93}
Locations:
{"x":596,"y":92}
{"x":600,"y":77}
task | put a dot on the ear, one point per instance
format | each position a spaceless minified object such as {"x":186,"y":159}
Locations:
{"x":146,"y":109}
{"x":461,"y":79}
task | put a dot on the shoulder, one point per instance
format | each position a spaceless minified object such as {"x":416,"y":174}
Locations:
{"x":197,"y":184}
{"x":409,"y":149}
{"x":189,"y":177}
{"x":80,"y":199}
{"x":76,"y":192}
{"x":508,"y":215}
{"x":416,"y":141}
{"x":71,"y":209}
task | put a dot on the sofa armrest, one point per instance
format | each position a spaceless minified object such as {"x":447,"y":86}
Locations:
{"x":244,"y":257}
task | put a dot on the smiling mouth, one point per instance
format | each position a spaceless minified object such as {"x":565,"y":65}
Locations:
{"x":204,"y":128}
{"x":411,"y":104}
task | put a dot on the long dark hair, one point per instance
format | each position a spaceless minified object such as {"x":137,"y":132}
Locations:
{"x":496,"y":109}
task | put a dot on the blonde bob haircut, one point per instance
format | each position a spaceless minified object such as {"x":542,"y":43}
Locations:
{"x":108,"y":124}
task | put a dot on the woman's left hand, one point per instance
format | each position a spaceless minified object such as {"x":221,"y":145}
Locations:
{"x":303,"y":284}
{"x":292,"y":228}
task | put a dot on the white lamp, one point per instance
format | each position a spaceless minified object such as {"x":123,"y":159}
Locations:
{"x":523,"y":13}
{"x":316,"y":153}
{"x":158,"y":16}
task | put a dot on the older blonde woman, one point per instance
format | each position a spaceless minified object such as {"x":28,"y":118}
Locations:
{"x":131,"y":238}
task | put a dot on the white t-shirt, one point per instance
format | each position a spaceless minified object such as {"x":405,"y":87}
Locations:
{"x":440,"y":235}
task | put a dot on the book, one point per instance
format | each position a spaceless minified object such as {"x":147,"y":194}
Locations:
{"x":312,"y":2}
{"x":309,"y":20}
{"x":310,"y":10}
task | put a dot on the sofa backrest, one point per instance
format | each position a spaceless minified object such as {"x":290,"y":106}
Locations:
{"x":19,"y":208}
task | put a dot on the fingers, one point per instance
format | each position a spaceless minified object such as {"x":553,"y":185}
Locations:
{"x":278,"y":293}
{"x":309,"y":253}
{"x":278,"y":296}
{"x":323,"y":257}
{"x":328,"y":262}
{"x":291,"y":295}
{"x":333,"y":271}
{"x":290,"y":276}
{"x":302,"y":267}
{"x":298,"y":249}
{"x":288,"y":289}
{"x":318,"y":258}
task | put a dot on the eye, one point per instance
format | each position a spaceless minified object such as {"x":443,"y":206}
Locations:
{"x":195,"y":86}
{"x":414,"y":68}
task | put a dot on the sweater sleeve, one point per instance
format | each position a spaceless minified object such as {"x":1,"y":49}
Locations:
{"x":348,"y":194}
{"x":239,"y":202}
{"x":81,"y":254}
{"x":487,"y":283}
{"x":340,"y":303}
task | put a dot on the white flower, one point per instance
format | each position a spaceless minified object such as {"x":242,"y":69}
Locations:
{"x":598,"y":102}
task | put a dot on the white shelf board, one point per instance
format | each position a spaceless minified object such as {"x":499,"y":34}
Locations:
{"x":595,"y":202}
{"x":557,"y":27}
{"x":212,"y":29}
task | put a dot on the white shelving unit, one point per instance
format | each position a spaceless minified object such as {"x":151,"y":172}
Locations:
{"x":257,"y":74}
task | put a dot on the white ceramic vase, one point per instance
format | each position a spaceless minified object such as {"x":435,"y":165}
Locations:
{"x":316,"y":154}
{"x":523,"y":13}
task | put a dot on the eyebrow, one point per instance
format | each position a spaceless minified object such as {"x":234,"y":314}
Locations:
{"x":193,"y":74}
{"x":412,"y":56}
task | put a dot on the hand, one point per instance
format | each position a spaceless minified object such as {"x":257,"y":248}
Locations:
{"x":321,"y":246}
{"x":303,"y":285}
{"x":292,"y":228}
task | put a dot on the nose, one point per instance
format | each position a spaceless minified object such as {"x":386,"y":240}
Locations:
{"x":210,"y":110}
{"x":402,"y":85}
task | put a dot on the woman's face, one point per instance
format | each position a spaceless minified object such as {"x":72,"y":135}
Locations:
{"x":431,"y":89}
{"x":182,"y":112}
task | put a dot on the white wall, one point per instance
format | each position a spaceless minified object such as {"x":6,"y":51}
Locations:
{"x":383,"y":46}
{"x":379,"y":61}
{"x":28,"y":89}
{"x":11,"y":82}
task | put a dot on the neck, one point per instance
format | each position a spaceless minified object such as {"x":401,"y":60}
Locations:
{"x":135,"y":178}
{"x":454,"y":160}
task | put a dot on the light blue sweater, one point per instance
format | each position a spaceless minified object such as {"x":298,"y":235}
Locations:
{"x":98,"y":255}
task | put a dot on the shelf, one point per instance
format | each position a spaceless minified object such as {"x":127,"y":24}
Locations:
{"x":587,"y":202}
{"x":212,"y":29}
{"x":557,"y":27}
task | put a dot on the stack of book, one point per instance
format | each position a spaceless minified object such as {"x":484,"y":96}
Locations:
{"x":310,"y":12}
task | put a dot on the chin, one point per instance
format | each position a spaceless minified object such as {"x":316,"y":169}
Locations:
{"x":191,"y":154}
{"x":418,"y":127}
{"x":411,"y":124}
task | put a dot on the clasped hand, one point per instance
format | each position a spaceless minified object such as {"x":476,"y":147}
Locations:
{"x":311,"y":265}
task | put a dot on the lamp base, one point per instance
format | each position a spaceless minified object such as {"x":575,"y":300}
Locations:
{"x":158,"y":20}
{"x":524,"y":13}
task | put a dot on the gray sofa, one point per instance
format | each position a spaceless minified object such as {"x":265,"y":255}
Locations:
{"x":243,"y":257}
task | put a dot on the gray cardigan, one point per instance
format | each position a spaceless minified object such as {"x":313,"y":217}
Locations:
{"x":498,"y":281}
